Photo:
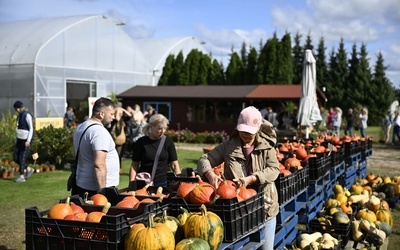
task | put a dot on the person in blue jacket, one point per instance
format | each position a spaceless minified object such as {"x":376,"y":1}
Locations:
{"x":23,"y":140}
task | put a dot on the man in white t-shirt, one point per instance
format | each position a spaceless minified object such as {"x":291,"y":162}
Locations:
{"x":98,"y":161}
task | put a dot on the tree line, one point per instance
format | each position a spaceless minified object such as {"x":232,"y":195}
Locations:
{"x":347,"y":78}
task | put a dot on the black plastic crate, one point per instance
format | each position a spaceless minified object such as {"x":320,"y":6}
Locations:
{"x":317,"y":167}
{"x":239,"y":218}
{"x":303,"y":180}
{"x":286,"y":186}
{"x":349,"y":149}
{"x":337,"y":157}
{"x":340,"y":231}
{"x":45,"y":233}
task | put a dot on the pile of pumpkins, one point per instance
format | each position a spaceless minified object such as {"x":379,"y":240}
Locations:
{"x":292,"y":154}
{"x":202,"y":230}
{"x":305,"y":149}
{"x":364,"y":206}
{"x":201,"y":192}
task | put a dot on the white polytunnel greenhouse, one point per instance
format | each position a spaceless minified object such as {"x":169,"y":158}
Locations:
{"x":50,"y":64}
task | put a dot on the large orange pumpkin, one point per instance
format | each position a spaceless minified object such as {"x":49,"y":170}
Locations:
{"x":99,"y":199}
{"x":226,"y":189}
{"x":60,"y":210}
{"x":185,"y":188}
{"x":202,"y":193}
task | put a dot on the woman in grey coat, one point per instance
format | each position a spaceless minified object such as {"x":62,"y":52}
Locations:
{"x":250,"y":158}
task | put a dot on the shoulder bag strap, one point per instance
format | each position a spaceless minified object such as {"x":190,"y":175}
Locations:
{"x":79,"y":144}
{"x":160,"y":146}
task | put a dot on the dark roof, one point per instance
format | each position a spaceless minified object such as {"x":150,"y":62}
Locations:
{"x":198,"y":91}
{"x":276,"y":92}
{"x":217,"y":91}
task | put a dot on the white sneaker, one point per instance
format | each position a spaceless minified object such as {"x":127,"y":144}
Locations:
{"x":20,"y":179}
{"x":29,"y":173}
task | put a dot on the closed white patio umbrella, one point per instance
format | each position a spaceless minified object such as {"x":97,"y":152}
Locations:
{"x":309,"y":112}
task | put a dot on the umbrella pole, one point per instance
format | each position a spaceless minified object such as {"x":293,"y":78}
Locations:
{"x":306,"y":132}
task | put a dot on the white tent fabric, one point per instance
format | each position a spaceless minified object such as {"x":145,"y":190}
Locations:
{"x":309,"y":112}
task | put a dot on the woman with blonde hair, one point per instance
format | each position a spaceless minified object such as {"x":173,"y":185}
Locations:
{"x":337,"y":120}
{"x":145,"y":150}
{"x":363,"y":121}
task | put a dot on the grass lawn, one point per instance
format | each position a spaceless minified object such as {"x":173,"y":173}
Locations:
{"x":46,"y":189}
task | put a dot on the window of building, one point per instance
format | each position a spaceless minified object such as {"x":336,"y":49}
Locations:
{"x":163,"y":108}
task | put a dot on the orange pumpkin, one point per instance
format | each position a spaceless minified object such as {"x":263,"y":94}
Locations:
{"x":60,"y":210}
{"x":96,"y":215}
{"x":99,"y":199}
{"x":301,"y":153}
{"x":202,"y":193}
{"x":246,"y":193}
{"x":370,"y":177}
{"x":184,"y":189}
{"x":292,"y":163}
{"x":346,"y":208}
{"x":227,"y":189}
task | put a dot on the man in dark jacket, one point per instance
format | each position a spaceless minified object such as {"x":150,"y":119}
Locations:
{"x":24,"y":138}
{"x":350,"y":122}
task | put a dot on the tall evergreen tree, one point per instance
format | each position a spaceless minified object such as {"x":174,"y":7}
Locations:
{"x":243,"y":54}
{"x":381,"y":92}
{"x":271,"y":60}
{"x":354,"y":87}
{"x":308,"y":44}
{"x":250,"y":75}
{"x":321,"y":64}
{"x":179,"y":75}
{"x":331,"y":86}
{"x":298,"y":57}
{"x":167,"y":71}
{"x":204,"y":70}
{"x":216,"y":76}
{"x":284,"y":69}
{"x":338,"y":74}
{"x":262,"y":64}
{"x":234,"y":71}
{"x":192,"y":65}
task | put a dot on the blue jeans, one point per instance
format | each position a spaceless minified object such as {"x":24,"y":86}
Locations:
{"x":20,"y":155}
{"x":269,"y":235}
{"x":350,"y":130}
{"x":362,"y":132}
{"x":396,"y":132}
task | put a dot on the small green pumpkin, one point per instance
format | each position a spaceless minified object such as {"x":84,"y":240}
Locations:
{"x":192,"y":244}
{"x":205,"y":225}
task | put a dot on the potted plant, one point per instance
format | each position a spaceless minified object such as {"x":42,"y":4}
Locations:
{"x":10,"y":171}
{"x":4,"y":173}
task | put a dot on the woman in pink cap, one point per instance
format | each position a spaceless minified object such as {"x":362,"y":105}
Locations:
{"x":249,"y":158}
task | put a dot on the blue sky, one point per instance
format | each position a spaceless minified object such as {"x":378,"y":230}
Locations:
{"x":225,"y":24}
